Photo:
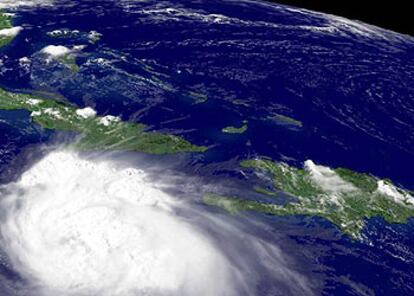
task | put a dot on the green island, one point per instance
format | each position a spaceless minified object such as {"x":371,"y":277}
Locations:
{"x":341,"y":196}
{"x":198,"y":98}
{"x":97,"y":132}
{"x":63,"y":55}
{"x":5,"y":23}
{"x":283,"y":119}
{"x":235,"y":130}
{"x":93,"y":36}
{"x":69,"y":60}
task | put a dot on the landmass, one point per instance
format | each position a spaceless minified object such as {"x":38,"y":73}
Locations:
{"x":342,"y":196}
{"x":63,"y":33}
{"x":7,"y":31}
{"x":283,"y":119}
{"x":97,"y":132}
{"x":5,"y":20}
{"x":63,"y":55}
{"x":93,"y":36}
{"x":70,"y":62}
{"x":235,"y":130}
{"x":198,"y":97}
{"x":241,"y":102}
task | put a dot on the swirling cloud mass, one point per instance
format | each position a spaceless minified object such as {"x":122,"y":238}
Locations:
{"x":78,"y":226}
{"x":85,"y":227}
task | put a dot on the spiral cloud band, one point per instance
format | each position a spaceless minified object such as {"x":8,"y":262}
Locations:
{"x":75,"y":225}
{"x":85,"y":228}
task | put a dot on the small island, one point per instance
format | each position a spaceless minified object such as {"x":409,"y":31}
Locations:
{"x":64,"y":55}
{"x":96,"y":132}
{"x":93,"y":36}
{"x":235,"y":130}
{"x":285,"y":120}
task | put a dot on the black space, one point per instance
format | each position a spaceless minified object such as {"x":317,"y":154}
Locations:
{"x":395,"y":15}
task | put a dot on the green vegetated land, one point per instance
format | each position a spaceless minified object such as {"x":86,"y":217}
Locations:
{"x":235,"y":130}
{"x":69,"y":60}
{"x":342,"y":196}
{"x":283,"y":119}
{"x":5,"y":23}
{"x":97,"y":133}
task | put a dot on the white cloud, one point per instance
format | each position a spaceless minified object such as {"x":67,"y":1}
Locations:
{"x":86,"y":227}
{"x":33,"y":101}
{"x":86,"y":113}
{"x":53,"y":112}
{"x":19,"y":3}
{"x":91,"y":226}
{"x":392,"y":192}
{"x":56,"y":50}
{"x":109,"y":119}
{"x":10,"y":32}
{"x":327,"y":179}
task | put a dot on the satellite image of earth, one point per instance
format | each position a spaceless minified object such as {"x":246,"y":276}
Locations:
{"x":211,"y":148}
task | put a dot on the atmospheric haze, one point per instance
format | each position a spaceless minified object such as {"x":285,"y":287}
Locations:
{"x":77,"y":225}
{"x":20,"y":3}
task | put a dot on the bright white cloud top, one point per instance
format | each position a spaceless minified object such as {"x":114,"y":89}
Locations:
{"x":10,"y":32}
{"x":86,"y":113}
{"x":56,"y":50}
{"x":19,"y":3}
{"x":90,"y":227}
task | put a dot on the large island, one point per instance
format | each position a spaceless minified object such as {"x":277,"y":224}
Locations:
{"x":96,"y":132}
{"x":342,"y":196}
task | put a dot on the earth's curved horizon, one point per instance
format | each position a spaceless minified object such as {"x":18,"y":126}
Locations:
{"x":209,"y":148}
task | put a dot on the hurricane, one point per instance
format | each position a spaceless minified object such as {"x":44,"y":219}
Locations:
{"x":77,"y":225}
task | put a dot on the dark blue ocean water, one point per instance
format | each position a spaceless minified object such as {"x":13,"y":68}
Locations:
{"x":351,"y":86}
